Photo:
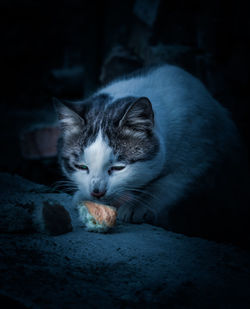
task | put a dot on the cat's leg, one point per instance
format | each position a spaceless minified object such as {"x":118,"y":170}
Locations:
{"x":159,"y":196}
{"x":136,"y":211}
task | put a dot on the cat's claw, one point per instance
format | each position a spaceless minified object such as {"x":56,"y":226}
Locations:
{"x":137,"y":214}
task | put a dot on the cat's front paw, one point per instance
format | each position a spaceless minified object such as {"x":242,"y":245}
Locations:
{"x":135,"y":214}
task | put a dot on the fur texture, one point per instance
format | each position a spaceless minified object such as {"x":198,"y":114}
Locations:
{"x":160,"y":147}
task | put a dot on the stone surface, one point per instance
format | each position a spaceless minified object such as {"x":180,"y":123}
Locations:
{"x":27,"y":207}
{"x":56,"y":219}
{"x":135,"y":266}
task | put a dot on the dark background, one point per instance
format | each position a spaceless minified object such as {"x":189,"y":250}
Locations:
{"x":70,"y":48}
{"x":67,"y":49}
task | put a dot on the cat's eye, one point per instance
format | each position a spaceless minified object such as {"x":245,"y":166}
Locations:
{"x":116,"y":168}
{"x":82,"y":167}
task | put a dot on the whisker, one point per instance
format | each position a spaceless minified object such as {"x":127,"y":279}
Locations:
{"x":64,"y":185}
{"x":144,"y":192}
{"x":135,"y":198}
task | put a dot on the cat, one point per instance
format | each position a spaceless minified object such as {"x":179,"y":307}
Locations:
{"x":160,"y":148}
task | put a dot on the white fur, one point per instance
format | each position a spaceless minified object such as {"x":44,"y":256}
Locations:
{"x":191,"y":126}
{"x":193,"y":129}
{"x":98,"y":155}
{"x":99,"y":158}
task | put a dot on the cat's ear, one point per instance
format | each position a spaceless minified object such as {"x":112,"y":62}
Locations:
{"x":70,"y":120}
{"x":139,"y":115}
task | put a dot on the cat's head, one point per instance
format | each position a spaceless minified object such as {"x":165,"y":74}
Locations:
{"x":107,"y":148}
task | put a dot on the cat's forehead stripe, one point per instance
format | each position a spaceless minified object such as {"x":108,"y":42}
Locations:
{"x":99,"y":153}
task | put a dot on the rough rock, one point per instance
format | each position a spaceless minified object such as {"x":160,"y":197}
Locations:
{"x":28,"y":207}
{"x":135,"y":266}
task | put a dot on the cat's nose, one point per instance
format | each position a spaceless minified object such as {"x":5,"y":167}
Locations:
{"x":97,"y":193}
